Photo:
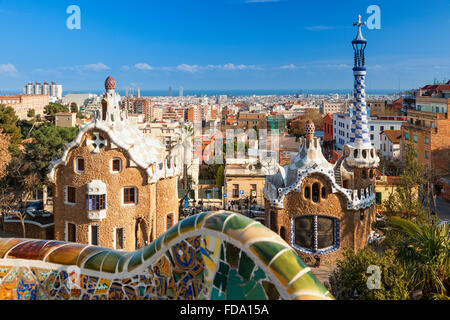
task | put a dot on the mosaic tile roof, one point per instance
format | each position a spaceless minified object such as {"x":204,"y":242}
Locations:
{"x":216,"y":255}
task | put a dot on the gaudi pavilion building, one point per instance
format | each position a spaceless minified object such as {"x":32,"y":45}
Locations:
{"x":320,"y":208}
{"x":113,"y":186}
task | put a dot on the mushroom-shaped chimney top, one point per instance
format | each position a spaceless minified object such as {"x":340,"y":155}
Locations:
{"x":110,"y":83}
{"x":310,"y":128}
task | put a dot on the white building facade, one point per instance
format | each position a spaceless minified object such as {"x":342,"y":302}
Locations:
{"x":342,"y":128}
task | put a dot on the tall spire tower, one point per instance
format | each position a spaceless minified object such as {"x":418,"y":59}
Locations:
{"x":360,"y":151}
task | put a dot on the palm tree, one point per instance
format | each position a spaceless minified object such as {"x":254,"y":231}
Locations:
{"x":424,"y":249}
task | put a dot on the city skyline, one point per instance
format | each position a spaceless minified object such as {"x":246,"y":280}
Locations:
{"x":228,"y":45}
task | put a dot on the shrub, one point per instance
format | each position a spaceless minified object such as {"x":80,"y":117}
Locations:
{"x":349,"y":280}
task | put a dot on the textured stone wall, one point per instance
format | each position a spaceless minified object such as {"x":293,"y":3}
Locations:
{"x":98,"y":167}
{"x":166,"y":203}
{"x":353,"y":231}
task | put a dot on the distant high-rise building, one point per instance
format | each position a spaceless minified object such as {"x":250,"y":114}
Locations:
{"x":46,"y":89}
{"x":54,"y":90}
{"x":170,"y":91}
{"x":181,"y":91}
{"x":37,"y":88}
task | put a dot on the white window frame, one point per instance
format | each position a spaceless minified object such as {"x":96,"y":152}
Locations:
{"x":111,"y":166}
{"x":76,"y":165}
{"x":165,"y":220}
{"x":90,"y":234}
{"x":66,"y":230}
{"x":114,"y":238}
{"x":135,"y":197}
{"x":66,"y":197}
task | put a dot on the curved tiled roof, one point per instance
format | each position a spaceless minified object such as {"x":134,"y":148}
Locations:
{"x":263,"y":251}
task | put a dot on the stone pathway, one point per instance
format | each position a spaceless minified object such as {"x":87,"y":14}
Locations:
{"x":323,"y":271}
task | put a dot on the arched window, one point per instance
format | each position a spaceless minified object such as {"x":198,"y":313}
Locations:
{"x":364,"y":153}
{"x":364,"y":174}
{"x":345,"y":184}
{"x":316,"y":234}
{"x":324,"y":193}
{"x":307,"y":193}
{"x":355,"y":153}
{"x":315,"y":192}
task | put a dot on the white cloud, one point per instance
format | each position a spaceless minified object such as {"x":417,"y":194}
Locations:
{"x":95,"y":67}
{"x":143,"y":66}
{"x":188,"y":68}
{"x":8,"y":68}
{"x":319,"y":28}
{"x":231,"y":66}
{"x":288,"y":67}
{"x":100,"y":66}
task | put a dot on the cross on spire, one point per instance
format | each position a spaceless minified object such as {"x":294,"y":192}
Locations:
{"x":359,"y":24}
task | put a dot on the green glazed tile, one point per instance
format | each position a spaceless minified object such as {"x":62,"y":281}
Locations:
{"x":266,"y":250}
{"x":122,"y":261}
{"x":95,"y":261}
{"x":271,"y":291}
{"x":222,"y":252}
{"x":257,"y":293}
{"x":220,"y":281}
{"x":217,"y":295}
{"x":171,"y":234}
{"x":149,"y":251}
{"x":215,"y":222}
{"x":287,"y":266}
{"x":110,"y":262}
{"x":235,"y":286}
{"x":200,"y":218}
{"x":232,"y":254}
{"x":135,"y":261}
{"x":259,"y":274}
{"x":187,"y":225}
{"x":249,"y":285}
{"x":307,"y":282}
{"x":246,"y":266}
{"x":85,"y":252}
{"x":237,"y":222}
{"x":159,"y":242}
{"x":223,"y":269}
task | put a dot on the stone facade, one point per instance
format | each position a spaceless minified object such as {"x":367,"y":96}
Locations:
{"x":114,"y":187}
{"x":354,"y":225}
{"x":320,"y":208}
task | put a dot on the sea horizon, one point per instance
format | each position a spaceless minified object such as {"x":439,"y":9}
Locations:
{"x":230,"y":92}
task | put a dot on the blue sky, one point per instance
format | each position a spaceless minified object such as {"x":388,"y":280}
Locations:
{"x":221,"y":44}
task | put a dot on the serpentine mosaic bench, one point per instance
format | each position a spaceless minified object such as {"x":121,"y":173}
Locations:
{"x":215,"y":255}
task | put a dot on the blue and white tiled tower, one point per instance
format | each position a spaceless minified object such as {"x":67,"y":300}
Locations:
{"x":360,"y":152}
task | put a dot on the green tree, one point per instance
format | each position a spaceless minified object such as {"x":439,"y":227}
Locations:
{"x":405,"y":199}
{"x":49,"y":145}
{"x":349,"y":279}
{"x":31,"y":113}
{"x":73,"y":107}
{"x":52,"y":108}
{"x":8,"y":124}
{"x":424,"y":251}
{"x":220,"y":177}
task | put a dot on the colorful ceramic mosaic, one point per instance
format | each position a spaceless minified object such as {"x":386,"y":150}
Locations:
{"x":215,"y":255}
